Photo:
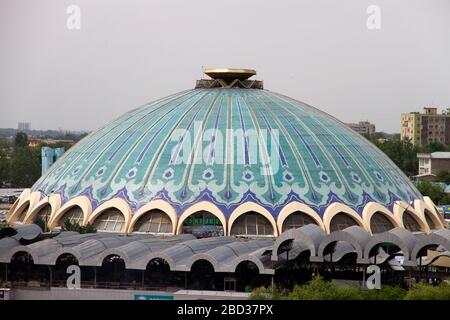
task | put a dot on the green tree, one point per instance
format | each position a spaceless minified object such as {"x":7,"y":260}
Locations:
{"x":270,"y":293}
{"x":73,"y":226}
{"x":41,"y":223}
{"x":385,"y":293}
{"x":21,"y":139}
{"x":433,"y":191}
{"x":434,"y":147}
{"x":429,"y":292}
{"x":25,"y":166}
{"x":319,"y":289}
{"x":4,"y":168}
{"x":402,"y":153}
{"x":443,"y":176}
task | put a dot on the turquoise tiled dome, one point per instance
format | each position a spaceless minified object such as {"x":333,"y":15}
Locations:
{"x":318,"y":160}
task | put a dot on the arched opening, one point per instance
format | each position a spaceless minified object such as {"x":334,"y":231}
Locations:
{"x":379,"y":252}
{"x":336,"y":251}
{"x":21,"y":267}
{"x":430,"y":220}
{"x":112,"y":272}
{"x":60,"y":270}
{"x":340,"y":259}
{"x":74,"y":215}
{"x":386,"y":255}
{"x":293,"y":266}
{"x":44,"y":212}
{"x":111,"y":220}
{"x":42,"y":217}
{"x":252,"y":224}
{"x":296,"y":220}
{"x":13,"y":207}
{"x":23,"y":212}
{"x":424,"y":250}
{"x":23,"y":271}
{"x":410,"y":222}
{"x":380,"y":223}
{"x":248,"y":277}
{"x":203,"y":224}
{"x":341,"y":221}
{"x":153,"y":221}
{"x":202,"y":276}
{"x":157,"y":274}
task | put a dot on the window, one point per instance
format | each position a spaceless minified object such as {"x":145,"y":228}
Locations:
{"x":74,"y":215}
{"x":203,"y":224}
{"x":110,"y":220}
{"x":379,"y":223}
{"x":153,"y":221}
{"x":44,"y":213}
{"x":410,"y":222}
{"x":252,"y":224}
{"x":296,"y":220}
{"x":341,"y":221}
{"x":23,"y":212}
{"x":429,"y":220}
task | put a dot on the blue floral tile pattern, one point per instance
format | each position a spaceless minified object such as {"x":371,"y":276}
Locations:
{"x":142,"y":156}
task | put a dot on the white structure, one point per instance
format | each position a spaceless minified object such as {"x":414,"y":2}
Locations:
{"x":432,"y":163}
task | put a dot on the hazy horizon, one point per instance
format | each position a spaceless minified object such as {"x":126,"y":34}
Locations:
{"x":129,"y":53}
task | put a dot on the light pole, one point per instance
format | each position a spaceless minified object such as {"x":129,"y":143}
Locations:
{"x":48,"y":202}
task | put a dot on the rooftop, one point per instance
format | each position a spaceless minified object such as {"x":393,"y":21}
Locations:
{"x":434,"y":155}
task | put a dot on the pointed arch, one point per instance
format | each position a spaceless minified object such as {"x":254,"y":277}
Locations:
{"x":25,"y":194}
{"x":202,"y":206}
{"x":251,"y":207}
{"x":372,"y":208}
{"x":158,"y":204}
{"x":425,"y":210}
{"x":430,"y":204}
{"x":340,"y":208}
{"x":296,"y":206}
{"x":21,"y":210}
{"x":26,"y":198}
{"x":82,"y":202}
{"x":115,"y":203}
{"x":54,"y":201}
{"x":401,"y":208}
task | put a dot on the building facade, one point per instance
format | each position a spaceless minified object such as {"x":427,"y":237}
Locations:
{"x":363,"y":127}
{"x":432,"y":163}
{"x":24,"y":126}
{"x":425,"y":127}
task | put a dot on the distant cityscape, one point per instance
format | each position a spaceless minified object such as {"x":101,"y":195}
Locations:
{"x":49,"y":136}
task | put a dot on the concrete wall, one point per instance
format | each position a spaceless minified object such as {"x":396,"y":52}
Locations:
{"x":439,"y":164}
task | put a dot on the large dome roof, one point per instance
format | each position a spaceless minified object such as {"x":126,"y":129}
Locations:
{"x":153,"y":152}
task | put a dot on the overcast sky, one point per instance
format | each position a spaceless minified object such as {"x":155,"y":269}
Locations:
{"x":127,"y":53}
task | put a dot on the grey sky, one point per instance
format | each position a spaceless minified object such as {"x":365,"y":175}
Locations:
{"x":130,"y":52}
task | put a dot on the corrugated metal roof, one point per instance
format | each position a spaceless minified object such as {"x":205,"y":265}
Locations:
{"x":224,"y":253}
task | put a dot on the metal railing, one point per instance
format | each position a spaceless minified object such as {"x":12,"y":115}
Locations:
{"x":46,"y":285}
